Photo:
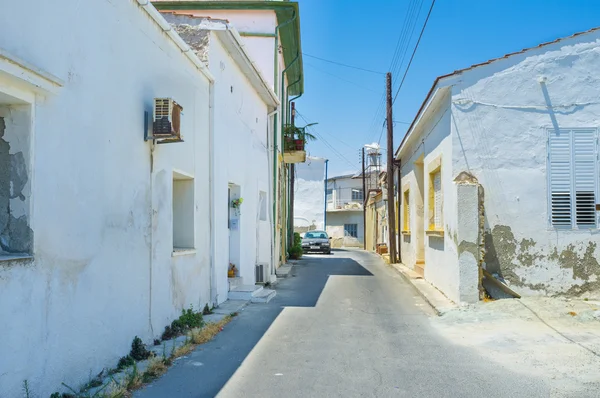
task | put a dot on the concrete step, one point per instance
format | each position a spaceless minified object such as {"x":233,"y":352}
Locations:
{"x":284,"y":271}
{"x":230,"y":306}
{"x":235,"y":282}
{"x":264,"y":296}
{"x":244,"y":292}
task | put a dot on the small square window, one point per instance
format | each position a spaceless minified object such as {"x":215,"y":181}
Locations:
{"x":183,"y":212}
{"x":351,"y":230}
{"x":262,"y":205}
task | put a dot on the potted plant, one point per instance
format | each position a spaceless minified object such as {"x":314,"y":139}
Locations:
{"x":295,"y":137}
{"x":236,"y":204}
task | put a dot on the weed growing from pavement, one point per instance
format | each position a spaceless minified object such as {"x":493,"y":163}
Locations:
{"x":26,"y":388}
{"x":196,"y":333}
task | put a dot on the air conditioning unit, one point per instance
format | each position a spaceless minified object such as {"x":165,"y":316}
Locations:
{"x":167,"y":118}
{"x":260,"y":273}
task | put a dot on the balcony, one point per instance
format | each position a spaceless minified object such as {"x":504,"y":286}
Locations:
{"x":293,"y":150}
{"x":344,"y":205}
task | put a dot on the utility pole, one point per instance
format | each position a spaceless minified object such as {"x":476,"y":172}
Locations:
{"x":292,"y":177}
{"x":390,"y":173}
{"x":364,"y":201}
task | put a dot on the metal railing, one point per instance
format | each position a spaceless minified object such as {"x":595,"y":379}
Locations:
{"x":344,"y":204}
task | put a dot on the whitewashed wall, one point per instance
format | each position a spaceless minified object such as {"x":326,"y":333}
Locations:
{"x":103,"y":269}
{"x":309,"y":196}
{"x":430,"y":143}
{"x":500,"y":114}
{"x":242,"y":157}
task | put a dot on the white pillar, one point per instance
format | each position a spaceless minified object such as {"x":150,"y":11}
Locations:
{"x":468,"y":242}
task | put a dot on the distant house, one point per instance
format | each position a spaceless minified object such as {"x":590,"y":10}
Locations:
{"x":345,"y":199}
{"x":309,"y":195}
{"x":499,"y":170}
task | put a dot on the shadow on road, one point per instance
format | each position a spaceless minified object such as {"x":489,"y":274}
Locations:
{"x":206,"y":370}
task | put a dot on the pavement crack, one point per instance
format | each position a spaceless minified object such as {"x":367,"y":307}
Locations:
{"x":558,"y":331}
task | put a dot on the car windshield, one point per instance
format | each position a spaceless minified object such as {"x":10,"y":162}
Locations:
{"x":315,"y":235}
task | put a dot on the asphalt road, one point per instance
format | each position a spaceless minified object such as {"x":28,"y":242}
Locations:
{"x":345,"y":325}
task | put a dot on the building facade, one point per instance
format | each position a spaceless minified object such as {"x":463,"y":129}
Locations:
{"x":110,"y":231}
{"x":309,"y":196}
{"x":270,"y":33}
{"x":344,"y":221}
{"x":501,"y":184}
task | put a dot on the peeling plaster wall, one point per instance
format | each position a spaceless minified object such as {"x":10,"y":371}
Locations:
{"x":16,"y":235}
{"x":499,"y":126}
{"x":103,"y":269}
{"x":260,"y":49}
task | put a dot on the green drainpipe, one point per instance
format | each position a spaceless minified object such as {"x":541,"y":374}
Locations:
{"x":290,"y":204}
{"x":276,"y":86}
{"x":286,"y":105}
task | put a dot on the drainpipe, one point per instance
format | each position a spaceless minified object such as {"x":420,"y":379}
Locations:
{"x":285,"y":103}
{"x":325,"y":207}
{"x":275,"y":121}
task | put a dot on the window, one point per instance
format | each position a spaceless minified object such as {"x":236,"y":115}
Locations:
{"x":406,"y":226}
{"x":329,"y":194}
{"x":183,"y":212}
{"x":262,"y":205}
{"x":351,"y":230}
{"x":572,"y":178}
{"x":436,"y":221}
{"x":357,"y":194}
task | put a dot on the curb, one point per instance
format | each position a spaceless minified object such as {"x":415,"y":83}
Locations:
{"x":439,"y":304}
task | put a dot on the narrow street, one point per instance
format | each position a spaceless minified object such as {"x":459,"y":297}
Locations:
{"x":344,"y":325}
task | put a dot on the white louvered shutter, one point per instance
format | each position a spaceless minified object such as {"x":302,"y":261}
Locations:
{"x":584,"y":159}
{"x":572,"y":161}
{"x":559,"y":146}
{"x":407,"y":214}
{"x":437,"y":200}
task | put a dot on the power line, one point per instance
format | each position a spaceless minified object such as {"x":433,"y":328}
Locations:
{"x":330,"y":135}
{"x":414,"y":51}
{"x":326,"y":143}
{"x":344,"y":65}
{"x":341,"y":78}
{"x":410,"y":19}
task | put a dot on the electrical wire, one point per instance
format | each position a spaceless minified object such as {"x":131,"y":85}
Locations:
{"x":402,"y":43}
{"x":414,"y":51}
{"x":344,"y":65}
{"x":325,"y":142}
{"x":330,"y":135}
{"x":341,"y":78}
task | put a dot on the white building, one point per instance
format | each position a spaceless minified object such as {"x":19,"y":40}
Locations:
{"x":270,"y":34}
{"x":108,"y":234}
{"x":500,"y":168}
{"x":309,"y":195}
{"x":242,"y":156}
{"x":345,"y":218}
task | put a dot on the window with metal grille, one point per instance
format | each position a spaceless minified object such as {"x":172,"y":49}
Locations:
{"x":572,"y":178}
{"x":351,"y":230}
{"x":357,"y":194}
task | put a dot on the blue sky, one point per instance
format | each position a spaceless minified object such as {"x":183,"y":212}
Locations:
{"x":365,"y":34}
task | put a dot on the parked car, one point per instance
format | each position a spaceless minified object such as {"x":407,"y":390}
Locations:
{"x":316,"y":241}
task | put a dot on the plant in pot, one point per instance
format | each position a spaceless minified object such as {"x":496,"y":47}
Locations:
{"x":295,"y":137}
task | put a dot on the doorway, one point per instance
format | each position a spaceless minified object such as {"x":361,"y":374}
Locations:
{"x":233,"y":223}
{"x":420,"y":215}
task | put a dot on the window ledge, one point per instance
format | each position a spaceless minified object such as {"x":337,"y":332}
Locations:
{"x":434,"y":232}
{"x":406,"y":232}
{"x":15,"y":257}
{"x":183,"y":252}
